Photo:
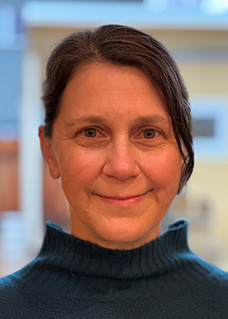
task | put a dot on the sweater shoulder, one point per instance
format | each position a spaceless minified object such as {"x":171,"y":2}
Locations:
{"x":209,"y":274}
{"x":10,"y":296}
{"x":10,"y":285}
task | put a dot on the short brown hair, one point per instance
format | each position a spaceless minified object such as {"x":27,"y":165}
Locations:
{"x":123,"y":46}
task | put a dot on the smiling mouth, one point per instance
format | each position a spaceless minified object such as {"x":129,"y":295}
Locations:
{"x":123,"y":201}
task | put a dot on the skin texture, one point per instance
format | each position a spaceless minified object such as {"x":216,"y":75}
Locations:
{"x":113,"y":148}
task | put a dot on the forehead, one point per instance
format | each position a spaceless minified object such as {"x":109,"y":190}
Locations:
{"x":96,"y":73}
{"x":112,"y":87}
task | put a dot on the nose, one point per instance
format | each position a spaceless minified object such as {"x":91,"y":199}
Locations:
{"x":121,"y":160}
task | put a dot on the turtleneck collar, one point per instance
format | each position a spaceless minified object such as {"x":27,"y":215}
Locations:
{"x":67,"y":252}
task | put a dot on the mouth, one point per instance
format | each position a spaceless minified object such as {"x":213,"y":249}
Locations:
{"x":123,"y":201}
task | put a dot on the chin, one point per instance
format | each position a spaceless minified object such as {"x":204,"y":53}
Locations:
{"x":127,"y":236}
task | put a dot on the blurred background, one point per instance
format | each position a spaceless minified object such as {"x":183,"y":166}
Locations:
{"x":195,"y":32}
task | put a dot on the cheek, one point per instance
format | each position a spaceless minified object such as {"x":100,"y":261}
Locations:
{"x":79,"y":169}
{"x":164,"y":171}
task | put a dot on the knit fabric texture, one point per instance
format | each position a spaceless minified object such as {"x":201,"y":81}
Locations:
{"x":72,"y":278}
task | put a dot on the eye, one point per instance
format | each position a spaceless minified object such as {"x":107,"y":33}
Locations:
{"x":150,"y":133}
{"x":90,"y":132}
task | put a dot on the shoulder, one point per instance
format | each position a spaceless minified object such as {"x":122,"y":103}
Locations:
{"x":211,"y":291}
{"x":20,"y":297}
{"x":10,"y":296}
{"x":11,"y":285}
{"x":18,"y":292}
{"x":8,"y":284}
{"x":210,"y":278}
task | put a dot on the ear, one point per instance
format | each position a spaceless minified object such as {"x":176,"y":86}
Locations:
{"x":48,"y":154}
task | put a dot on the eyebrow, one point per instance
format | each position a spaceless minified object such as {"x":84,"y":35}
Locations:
{"x":138,"y":121}
{"x":153,"y":119}
{"x":91,"y":119}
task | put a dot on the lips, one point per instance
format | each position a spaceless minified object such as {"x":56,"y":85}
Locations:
{"x":123,"y":201}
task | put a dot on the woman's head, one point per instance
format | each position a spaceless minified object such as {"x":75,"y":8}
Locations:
{"x":117,"y":133}
{"x":121,"y":46}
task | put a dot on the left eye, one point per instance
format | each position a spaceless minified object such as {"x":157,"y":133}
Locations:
{"x":149,"y":134}
{"x":90,"y":132}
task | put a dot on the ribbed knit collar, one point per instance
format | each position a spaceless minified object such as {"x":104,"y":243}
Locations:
{"x":66,"y":252}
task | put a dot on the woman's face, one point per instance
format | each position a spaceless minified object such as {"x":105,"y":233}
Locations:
{"x":114,"y":149}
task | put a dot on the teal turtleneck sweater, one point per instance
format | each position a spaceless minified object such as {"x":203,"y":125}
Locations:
{"x":72,"y":278}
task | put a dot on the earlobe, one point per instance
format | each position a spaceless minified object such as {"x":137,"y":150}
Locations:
{"x":48,"y":154}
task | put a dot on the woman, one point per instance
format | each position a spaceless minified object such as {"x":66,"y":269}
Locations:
{"x":118,"y":134}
